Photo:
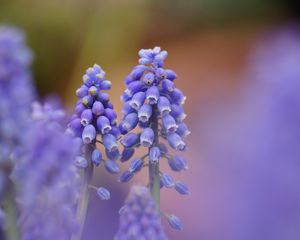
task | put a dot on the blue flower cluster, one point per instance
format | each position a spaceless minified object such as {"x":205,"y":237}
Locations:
{"x":16,"y":94}
{"x":153,"y":104}
{"x":94,"y":116}
{"x":47,"y":178}
{"x":139,"y":218}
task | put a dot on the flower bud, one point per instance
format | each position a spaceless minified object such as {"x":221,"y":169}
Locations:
{"x":182,"y":188}
{"x":154,"y":155}
{"x":111,"y":166}
{"x":137,"y":100}
{"x":110,"y":142}
{"x":136,"y":165}
{"x":96,"y":157}
{"x":126,"y":176}
{"x":145,"y":113}
{"x":98,"y":108}
{"x":103,"y":124}
{"x":130,"y":140}
{"x":175,"y":222}
{"x":176,"y":142}
{"x":163,"y":106}
{"x":88,"y":134}
{"x":147,"y":137}
{"x":152,"y":95}
{"x":167,"y":180}
{"x":103,"y":193}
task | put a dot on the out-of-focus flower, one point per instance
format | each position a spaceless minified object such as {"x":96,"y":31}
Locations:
{"x":46,"y":178}
{"x":154,"y":105}
{"x":254,"y":145}
{"x":139,"y":218}
{"x":16,"y":95}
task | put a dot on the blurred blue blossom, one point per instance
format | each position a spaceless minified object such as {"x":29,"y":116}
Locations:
{"x":46,"y":178}
{"x":139,"y":218}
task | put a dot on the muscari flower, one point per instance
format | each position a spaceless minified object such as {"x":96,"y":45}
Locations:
{"x":152,"y":114}
{"x":45,"y":169}
{"x":16,"y":88}
{"x":16,"y":95}
{"x":94,"y":121}
{"x":139,"y":218}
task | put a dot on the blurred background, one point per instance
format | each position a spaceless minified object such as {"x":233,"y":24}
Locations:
{"x":238,"y":63}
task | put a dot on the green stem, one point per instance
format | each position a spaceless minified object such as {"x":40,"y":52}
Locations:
{"x":10,"y":207}
{"x":84,"y":193}
{"x":154,"y":178}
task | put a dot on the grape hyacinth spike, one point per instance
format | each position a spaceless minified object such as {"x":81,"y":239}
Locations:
{"x":94,"y":122}
{"x":152,"y":117}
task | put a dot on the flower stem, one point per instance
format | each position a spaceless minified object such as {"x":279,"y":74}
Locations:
{"x":84,"y":192}
{"x":12,"y":232}
{"x":154,"y":178}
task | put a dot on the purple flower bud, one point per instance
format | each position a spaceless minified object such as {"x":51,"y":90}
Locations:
{"x":160,"y":73}
{"x":82,"y":91}
{"x":154,"y":155}
{"x":103,"y":193}
{"x":76,"y":126}
{"x":176,"y":142}
{"x":182,"y":188}
{"x":126,"y":176}
{"x":109,"y":105}
{"x":137,"y":100}
{"x":167,"y":180}
{"x":136,"y":165}
{"x":168,"y":85}
{"x":125,"y":97}
{"x":170,"y":74}
{"x":177,"y":97}
{"x":81,"y":162}
{"x":147,"y":137}
{"x":115,"y":131}
{"x":130,"y":121}
{"x":96,"y":157}
{"x":111,"y":115}
{"x":79,"y":108}
{"x":86,"y":80}
{"x":177,"y":163}
{"x":87,"y":101}
{"x":110,"y":142}
{"x":148,"y":79}
{"x":163,"y":148}
{"x":127,"y":109}
{"x":98,"y":108}
{"x":177,"y":112}
{"x":103,"y":97}
{"x":111,"y":166}
{"x":86,"y":117}
{"x":145,"y":113}
{"x":130,"y":140}
{"x":169,"y":123}
{"x":113,"y":155}
{"x":93,"y":90}
{"x":105,"y":85}
{"x":137,"y":72}
{"x":103,"y":124}
{"x":127,"y":154}
{"x":152,"y":95}
{"x":182,"y":130}
{"x":175,"y":222}
{"x":135,"y":87}
{"x":129,"y":78}
{"x":163,"y":105}
{"x":88,"y":134}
